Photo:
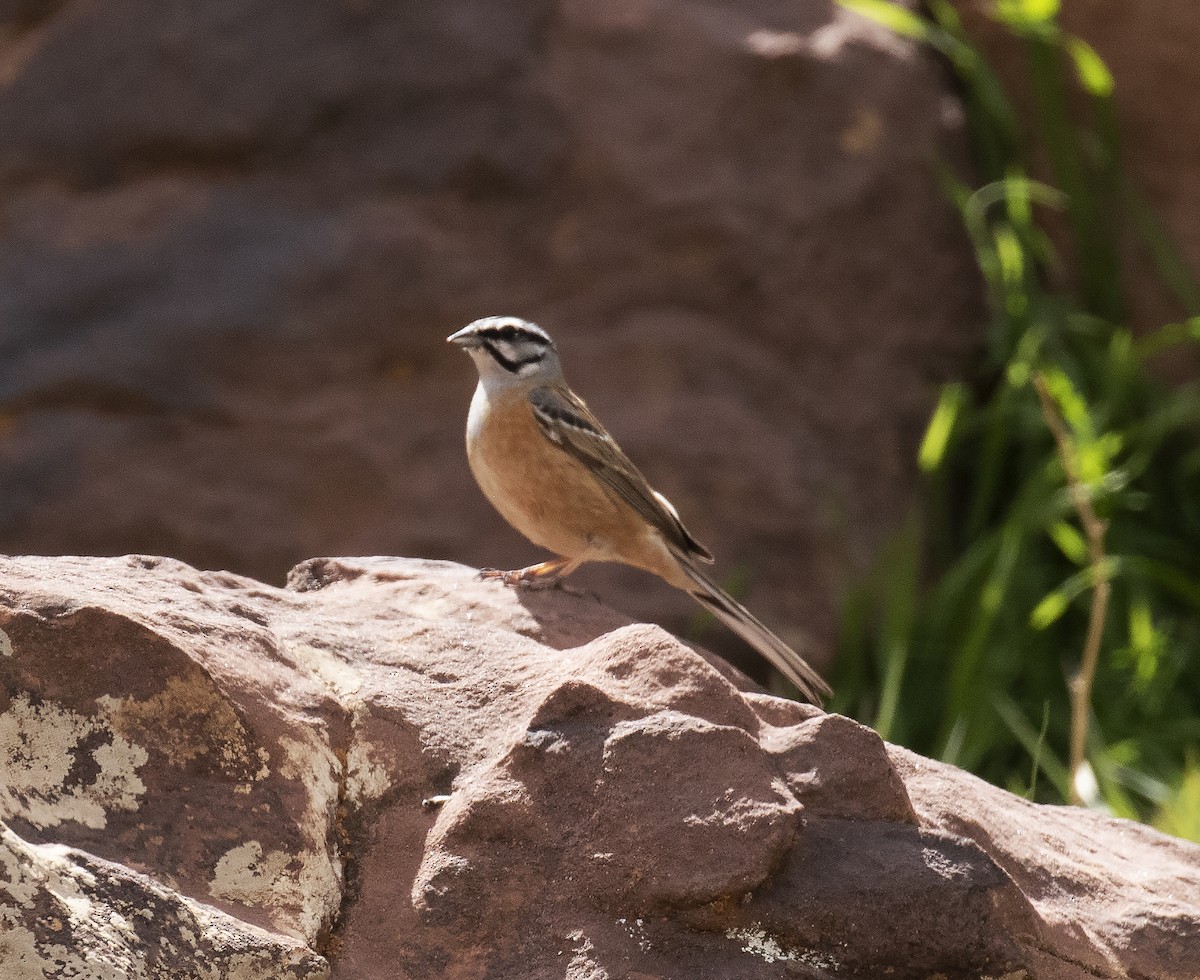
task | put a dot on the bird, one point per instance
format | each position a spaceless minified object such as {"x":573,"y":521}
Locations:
{"x":554,"y":473}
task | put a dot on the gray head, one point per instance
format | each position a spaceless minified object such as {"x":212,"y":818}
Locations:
{"x":508,"y":350}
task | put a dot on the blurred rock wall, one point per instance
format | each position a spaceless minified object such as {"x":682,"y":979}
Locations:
{"x":233,"y":236}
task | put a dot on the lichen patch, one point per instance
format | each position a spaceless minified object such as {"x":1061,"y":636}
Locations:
{"x":758,"y":942}
{"x":57,"y":765}
{"x":186,"y":720}
{"x":248,"y":875}
{"x":19,"y":951}
{"x":302,"y":887}
{"x":366,"y":777}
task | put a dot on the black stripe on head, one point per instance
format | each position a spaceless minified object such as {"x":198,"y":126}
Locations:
{"x":510,"y":328}
{"x":513,"y":343}
{"x":507,"y":359}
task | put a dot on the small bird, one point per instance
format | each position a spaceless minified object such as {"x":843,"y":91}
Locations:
{"x":554,"y":473}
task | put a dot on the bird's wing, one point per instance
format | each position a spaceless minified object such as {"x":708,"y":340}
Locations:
{"x":566,"y":421}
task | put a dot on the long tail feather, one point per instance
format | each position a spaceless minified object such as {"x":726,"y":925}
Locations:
{"x":746,"y":625}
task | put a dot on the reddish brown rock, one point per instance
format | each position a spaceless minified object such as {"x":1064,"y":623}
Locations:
{"x":233,"y":240}
{"x":390,"y":769}
{"x":1060,"y":862}
{"x":66,"y":913}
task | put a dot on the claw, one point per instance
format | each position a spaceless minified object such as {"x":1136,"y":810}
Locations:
{"x":543,"y":573}
{"x":515,"y":577}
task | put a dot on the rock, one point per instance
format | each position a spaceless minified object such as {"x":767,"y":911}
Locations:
{"x":1142,"y":915}
{"x":66,"y":913}
{"x":391,"y":769}
{"x":919,"y":902}
{"x":234,"y":237}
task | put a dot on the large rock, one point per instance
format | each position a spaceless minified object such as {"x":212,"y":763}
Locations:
{"x":390,"y":769}
{"x":235,"y":234}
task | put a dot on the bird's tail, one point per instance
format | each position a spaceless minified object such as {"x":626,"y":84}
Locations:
{"x":746,"y":625}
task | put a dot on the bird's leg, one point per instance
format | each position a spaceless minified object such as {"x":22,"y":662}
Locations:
{"x":543,"y":573}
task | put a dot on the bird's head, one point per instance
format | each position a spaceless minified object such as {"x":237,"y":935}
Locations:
{"x":508,"y":350}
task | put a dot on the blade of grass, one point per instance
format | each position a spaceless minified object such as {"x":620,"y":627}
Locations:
{"x":1043,"y":757}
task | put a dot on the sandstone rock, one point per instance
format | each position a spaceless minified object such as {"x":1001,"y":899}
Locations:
{"x":389,"y":769}
{"x":235,"y":235}
{"x":66,"y":913}
{"x":1059,"y":861}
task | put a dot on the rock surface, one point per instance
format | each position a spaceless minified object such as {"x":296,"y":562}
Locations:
{"x":66,"y":913}
{"x":234,"y":235}
{"x":392,"y":770}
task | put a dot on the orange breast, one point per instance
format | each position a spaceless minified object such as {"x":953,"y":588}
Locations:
{"x":549,"y":496}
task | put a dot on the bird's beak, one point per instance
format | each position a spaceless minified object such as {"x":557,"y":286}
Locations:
{"x":466,"y":338}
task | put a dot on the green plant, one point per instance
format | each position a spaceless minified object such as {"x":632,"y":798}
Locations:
{"x":1061,"y":517}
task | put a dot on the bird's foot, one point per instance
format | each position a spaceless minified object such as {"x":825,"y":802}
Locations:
{"x":499,"y":575}
{"x":543,"y":574}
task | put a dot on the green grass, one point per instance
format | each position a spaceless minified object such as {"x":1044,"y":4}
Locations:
{"x":964,"y":640}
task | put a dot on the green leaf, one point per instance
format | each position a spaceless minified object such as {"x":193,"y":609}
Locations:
{"x":1040,"y":9}
{"x":1141,"y":626}
{"x":937,"y":433}
{"x":1145,"y":642}
{"x":1012,"y":270}
{"x":1049,"y":610}
{"x":1026,"y":13}
{"x":1055,"y":603}
{"x":1180,"y":816}
{"x":946,"y":16}
{"x":890,"y":15}
{"x":1070,"y":542}
{"x":1070,"y":403}
{"x":1095,"y":458}
{"x":1093,"y":73}
{"x":1169,"y":336}
{"x":1168,"y":576}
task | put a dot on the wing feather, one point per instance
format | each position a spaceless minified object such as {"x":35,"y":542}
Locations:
{"x":566,"y":421}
